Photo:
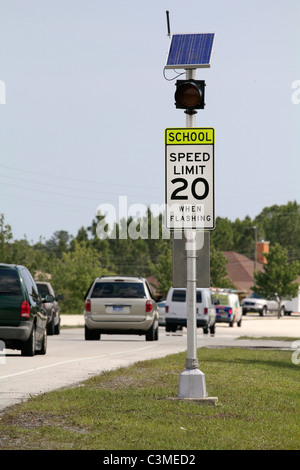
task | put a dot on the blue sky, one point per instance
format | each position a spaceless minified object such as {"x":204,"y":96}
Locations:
{"x":86,"y":106}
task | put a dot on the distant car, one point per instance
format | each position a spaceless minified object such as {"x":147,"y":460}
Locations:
{"x":162,"y":312}
{"x":293,"y":305}
{"x":23,"y":319}
{"x":256,"y":303}
{"x":176,"y":310}
{"x":51,"y":306}
{"x":120,"y":305}
{"x":228,"y":309}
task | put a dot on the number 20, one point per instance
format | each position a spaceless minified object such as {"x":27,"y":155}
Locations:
{"x":184,"y":182}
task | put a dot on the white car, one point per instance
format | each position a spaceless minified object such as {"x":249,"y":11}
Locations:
{"x":256,"y":303}
{"x":176,"y":310}
{"x":162,"y":312}
{"x":228,"y":309}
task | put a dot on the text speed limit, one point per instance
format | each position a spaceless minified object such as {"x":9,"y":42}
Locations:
{"x":190,"y":179}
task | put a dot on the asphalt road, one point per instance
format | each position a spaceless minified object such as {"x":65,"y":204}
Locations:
{"x":70,"y":359}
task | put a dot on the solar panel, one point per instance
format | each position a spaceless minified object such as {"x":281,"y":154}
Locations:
{"x":190,"y":50}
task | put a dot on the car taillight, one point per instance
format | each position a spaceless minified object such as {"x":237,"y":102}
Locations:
{"x":25,"y":309}
{"x":205,"y":310}
{"x":149,"y":305}
{"x":167,"y":308}
{"x":87,"y":305}
{"x":230,"y":311}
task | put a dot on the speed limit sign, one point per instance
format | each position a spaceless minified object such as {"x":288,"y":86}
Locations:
{"x":190,"y":178}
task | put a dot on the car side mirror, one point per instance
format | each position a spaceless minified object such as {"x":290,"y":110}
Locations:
{"x":158,"y":298}
{"x":48,"y":298}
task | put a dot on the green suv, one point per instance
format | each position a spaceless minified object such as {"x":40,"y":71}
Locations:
{"x":23,"y":319}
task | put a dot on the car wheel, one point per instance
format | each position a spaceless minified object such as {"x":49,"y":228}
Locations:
{"x":43,"y":349}
{"x":171,"y":328}
{"x":28,"y":347}
{"x":205,"y":330}
{"x":212,"y":329}
{"x":263,"y":312}
{"x":150,"y":334}
{"x":57,"y":328}
{"x":50,"y":326}
{"x":239,"y":323}
{"x":91,"y":335}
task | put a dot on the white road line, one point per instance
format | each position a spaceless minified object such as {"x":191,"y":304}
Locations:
{"x":54,"y":364}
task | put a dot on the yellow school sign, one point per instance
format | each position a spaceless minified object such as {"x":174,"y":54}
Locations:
{"x":190,"y":178}
{"x":179,"y":136}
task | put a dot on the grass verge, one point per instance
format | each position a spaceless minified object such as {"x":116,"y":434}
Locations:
{"x":128,"y":408}
{"x":268,"y":338}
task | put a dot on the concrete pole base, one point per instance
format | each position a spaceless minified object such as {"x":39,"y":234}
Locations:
{"x":192,"y":384}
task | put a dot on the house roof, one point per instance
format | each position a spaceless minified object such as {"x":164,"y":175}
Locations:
{"x":240,"y":270}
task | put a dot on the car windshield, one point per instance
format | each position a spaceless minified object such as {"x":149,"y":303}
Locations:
{"x":114,"y":290}
{"x":9,"y":282}
{"x":255,"y":296}
{"x":180,"y":296}
{"x":221,"y":299}
{"x":43,"y":290}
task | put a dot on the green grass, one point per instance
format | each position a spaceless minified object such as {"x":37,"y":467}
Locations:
{"x":258,"y":407}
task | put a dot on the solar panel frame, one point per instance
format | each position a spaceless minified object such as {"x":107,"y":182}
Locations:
{"x":190,"y":51}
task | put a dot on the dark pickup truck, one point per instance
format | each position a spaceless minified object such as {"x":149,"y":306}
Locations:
{"x":52,"y":307}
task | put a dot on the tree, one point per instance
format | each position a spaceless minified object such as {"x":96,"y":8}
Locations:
{"x":281,"y":224}
{"x":73,"y":273}
{"x":6,"y":237}
{"x":234,"y":236}
{"x":279,"y":276}
{"x":20,"y":251}
{"x":31,"y":256}
{"x":218,"y":273}
{"x":59,"y":243}
{"x":244,"y":236}
{"x":162,"y":271}
{"x":222,"y":237}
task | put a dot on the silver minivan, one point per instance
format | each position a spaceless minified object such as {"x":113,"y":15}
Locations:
{"x":176,"y":310}
{"x":120,"y":305}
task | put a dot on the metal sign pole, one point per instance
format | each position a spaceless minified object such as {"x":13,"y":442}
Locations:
{"x":192,"y":380}
{"x":191,"y":361}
